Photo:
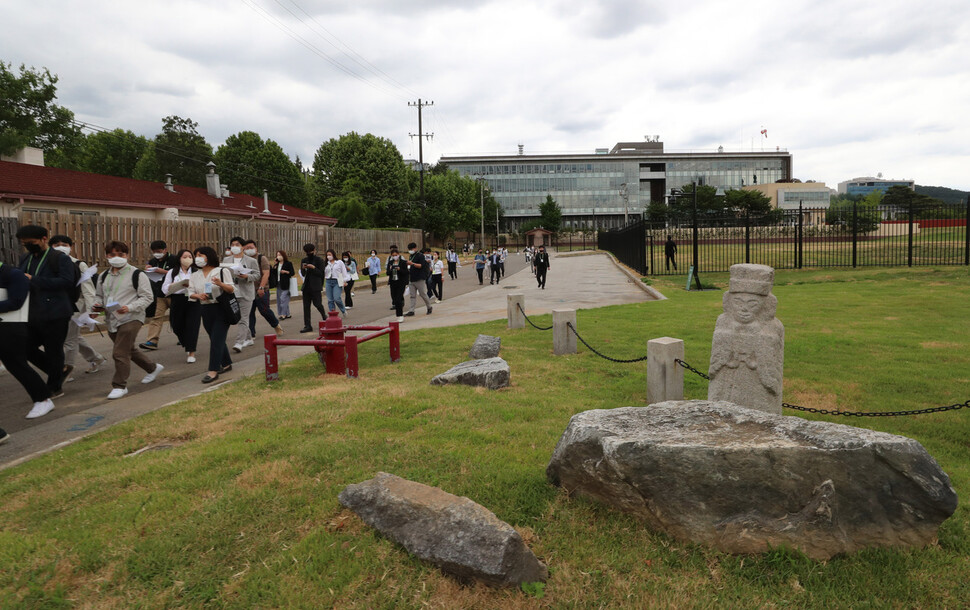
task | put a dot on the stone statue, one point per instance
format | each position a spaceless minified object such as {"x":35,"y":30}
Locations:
{"x":748,"y":350}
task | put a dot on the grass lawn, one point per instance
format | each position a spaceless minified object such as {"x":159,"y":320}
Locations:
{"x":242,"y":510}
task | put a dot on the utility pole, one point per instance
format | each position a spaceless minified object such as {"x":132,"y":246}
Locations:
{"x":421,"y":135}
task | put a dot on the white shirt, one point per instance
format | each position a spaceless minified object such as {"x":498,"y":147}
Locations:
{"x":183,"y":274}
{"x":336,"y":270}
{"x":198,"y":280}
{"x":437,"y":267}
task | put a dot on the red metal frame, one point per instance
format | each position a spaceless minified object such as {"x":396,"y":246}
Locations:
{"x":337,"y":349}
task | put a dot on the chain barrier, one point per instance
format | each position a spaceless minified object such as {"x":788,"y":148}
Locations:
{"x":604,"y":356}
{"x":519,"y":305}
{"x":953,"y":407}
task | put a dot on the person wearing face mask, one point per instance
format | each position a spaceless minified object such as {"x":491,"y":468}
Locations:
{"x":335,"y":275}
{"x":124,"y":295}
{"x":261,"y":302}
{"x":205,"y":287}
{"x":373,"y":270}
{"x":312,"y":267}
{"x":351,"y":264}
{"x":74,"y":342}
{"x":185,"y":316}
{"x":398,"y":278}
{"x":246,"y":275}
{"x":157,"y":266}
{"x":51,"y":275}
{"x":437,"y":271}
{"x":417,"y":266}
{"x":281,"y":276}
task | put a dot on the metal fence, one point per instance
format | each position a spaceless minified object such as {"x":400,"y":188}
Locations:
{"x":856,"y":236}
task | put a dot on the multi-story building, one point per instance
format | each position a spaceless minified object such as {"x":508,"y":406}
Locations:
{"x":791,"y":195}
{"x":865,"y":185}
{"x":611,"y":186}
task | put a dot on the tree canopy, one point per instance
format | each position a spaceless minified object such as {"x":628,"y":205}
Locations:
{"x":248,"y":164}
{"x":29,"y":116}
{"x":735,"y":203}
{"x":178,"y":150}
{"x":113,"y":153}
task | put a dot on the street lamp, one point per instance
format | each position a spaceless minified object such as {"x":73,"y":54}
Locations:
{"x":481,"y":194}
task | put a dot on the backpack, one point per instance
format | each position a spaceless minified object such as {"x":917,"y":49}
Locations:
{"x":74,"y":293}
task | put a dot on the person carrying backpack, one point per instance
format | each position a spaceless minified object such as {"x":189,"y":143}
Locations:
{"x":52,"y":281}
{"x":83,"y":295}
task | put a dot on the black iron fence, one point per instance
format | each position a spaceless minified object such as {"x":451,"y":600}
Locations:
{"x":853,"y":236}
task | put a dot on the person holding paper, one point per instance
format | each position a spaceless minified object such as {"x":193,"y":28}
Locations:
{"x":14,"y":289}
{"x":245,"y":274}
{"x":312,"y":267}
{"x":185,"y":316}
{"x":280,"y":278}
{"x":74,"y":342}
{"x":157,"y":266}
{"x":124,"y":295}
{"x":206,"y":284}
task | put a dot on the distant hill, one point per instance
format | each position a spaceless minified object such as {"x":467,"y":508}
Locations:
{"x":944,"y":194}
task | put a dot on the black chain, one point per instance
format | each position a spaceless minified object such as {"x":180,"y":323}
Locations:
{"x":604,"y":356}
{"x":953,"y":407}
{"x":519,"y":305}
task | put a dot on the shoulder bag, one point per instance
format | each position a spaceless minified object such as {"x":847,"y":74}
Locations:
{"x":229,"y":305}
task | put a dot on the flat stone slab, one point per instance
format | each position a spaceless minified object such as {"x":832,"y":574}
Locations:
{"x":485,"y":346}
{"x":491,"y":373}
{"x":459,"y":536}
{"x":744,"y":481}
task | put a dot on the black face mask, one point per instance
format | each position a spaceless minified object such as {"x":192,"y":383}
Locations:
{"x":34,"y":248}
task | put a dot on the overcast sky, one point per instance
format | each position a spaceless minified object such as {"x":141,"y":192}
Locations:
{"x":850,"y":87}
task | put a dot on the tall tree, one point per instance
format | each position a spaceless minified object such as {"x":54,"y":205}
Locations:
{"x":178,"y":150}
{"x":248,"y":164}
{"x":551,"y":214}
{"x":29,"y":116}
{"x":113,"y":153}
{"x":366,"y":165}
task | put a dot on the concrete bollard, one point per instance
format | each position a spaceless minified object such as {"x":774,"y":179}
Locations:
{"x":665,"y":378}
{"x":563,"y":339}
{"x":515,"y":315}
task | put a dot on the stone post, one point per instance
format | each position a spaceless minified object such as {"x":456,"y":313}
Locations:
{"x":515,"y":315}
{"x":665,"y":378}
{"x":563,"y":339}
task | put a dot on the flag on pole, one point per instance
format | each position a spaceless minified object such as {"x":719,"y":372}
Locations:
{"x":764,"y":132}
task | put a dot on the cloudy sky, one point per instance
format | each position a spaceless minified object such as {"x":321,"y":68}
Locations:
{"x":850,"y":87}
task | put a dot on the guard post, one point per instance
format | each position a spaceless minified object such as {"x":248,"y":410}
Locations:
{"x":333,"y":329}
{"x":563,"y":339}
{"x":516,"y":310}
{"x":665,"y":378}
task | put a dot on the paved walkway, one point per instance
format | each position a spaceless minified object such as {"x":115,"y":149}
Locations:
{"x":574,"y":282}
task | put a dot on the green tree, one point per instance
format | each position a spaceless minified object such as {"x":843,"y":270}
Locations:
{"x":859,"y":212}
{"x":29,"y":117}
{"x":248,"y":164}
{"x":367,"y":165}
{"x":113,"y":153}
{"x":550,"y":214}
{"x":178,"y":150}
{"x":452,"y":203}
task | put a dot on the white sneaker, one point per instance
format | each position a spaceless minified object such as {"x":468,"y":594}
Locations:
{"x":237,"y":347}
{"x":249,"y":342}
{"x":41,"y":409}
{"x":117,"y":393}
{"x":190,"y":359}
{"x":94,"y":367}
{"x":151,"y":376}
{"x":399,"y":319}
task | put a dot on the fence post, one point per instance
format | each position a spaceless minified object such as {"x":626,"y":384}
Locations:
{"x":909,"y":249}
{"x":563,"y":339}
{"x":747,"y":237}
{"x":394,"y":341}
{"x":665,"y":378}
{"x":801,"y":235}
{"x":855,"y":232}
{"x":333,"y":329}
{"x":350,"y":344}
{"x":966,"y":235}
{"x":515,"y":315}
{"x":270,"y":357}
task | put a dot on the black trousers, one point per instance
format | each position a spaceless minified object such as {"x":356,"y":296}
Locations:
{"x":49,"y":334}
{"x":262,"y":304}
{"x":495,"y":275}
{"x":13,"y":355}
{"x":481,"y":275}
{"x":185,"y":316}
{"x":453,"y":270}
{"x":670,"y":259}
{"x":541,"y":275}
{"x":397,"y":297}
{"x":217,"y":326}
{"x":373,"y":282}
{"x":348,"y":299}
{"x":436,"y":286}
{"x":316,"y":297}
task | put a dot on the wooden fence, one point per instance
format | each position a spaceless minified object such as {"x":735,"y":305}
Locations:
{"x":91,"y":233}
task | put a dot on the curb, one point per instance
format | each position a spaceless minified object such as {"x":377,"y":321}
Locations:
{"x":634,"y":278}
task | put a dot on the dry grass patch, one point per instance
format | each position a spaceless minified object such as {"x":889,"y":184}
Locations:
{"x":940,"y":345}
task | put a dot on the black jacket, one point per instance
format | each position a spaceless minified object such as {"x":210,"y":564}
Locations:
{"x":17,"y":286}
{"x":288,"y":267}
{"x":542,"y":260}
{"x":50,"y":286}
{"x":398,"y":269}
{"x":313,"y":278}
{"x":166,"y":263}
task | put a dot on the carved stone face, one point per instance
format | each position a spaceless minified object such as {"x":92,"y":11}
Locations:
{"x":746,"y":307}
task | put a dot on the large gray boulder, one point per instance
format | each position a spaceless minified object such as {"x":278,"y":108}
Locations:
{"x":744,"y":481}
{"x":459,"y":536}
{"x":485,"y":346}
{"x":491,"y":373}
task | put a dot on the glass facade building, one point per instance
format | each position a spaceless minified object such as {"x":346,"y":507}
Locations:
{"x":602,"y":190}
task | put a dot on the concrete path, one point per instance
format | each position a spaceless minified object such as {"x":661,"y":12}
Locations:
{"x":574,"y":282}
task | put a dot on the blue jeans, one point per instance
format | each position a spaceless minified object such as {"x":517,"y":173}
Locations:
{"x":333,"y":295}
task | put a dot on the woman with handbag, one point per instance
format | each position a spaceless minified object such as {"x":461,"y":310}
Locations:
{"x":279,"y":278}
{"x":213,"y":287}
{"x":184,"y":315}
{"x":335,"y":276}
{"x":351,"y":264}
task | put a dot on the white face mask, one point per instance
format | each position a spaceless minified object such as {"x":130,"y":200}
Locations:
{"x":250,"y":251}
{"x":279,"y":258}
{"x":186,"y":262}
{"x":410,"y":251}
{"x":235,"y":250}
{"x":65,"y":249}
{"x":117,"y":261}
{"x":329,"y":257}
{"x":200,"y":261}
{"x":159,"y":255}
{"x":346,"y":260}
{"x":228,"y":252}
